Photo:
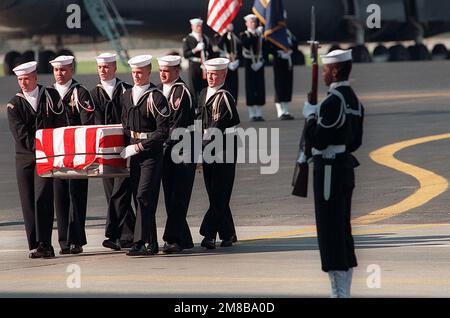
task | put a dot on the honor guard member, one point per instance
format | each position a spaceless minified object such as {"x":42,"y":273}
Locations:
{"x":197,"y":48}
{"x":253,"y":46}
{"x":231,"y":48}
{"x":283,"y":70}
{"x":33,"y":108}
{"x":334,"y":130}
{"x":107,"y":95}
{"x":71,"y":194}
{"x":177,"y":178}
{"x":218,"y":110}
{"x":145,"y":119}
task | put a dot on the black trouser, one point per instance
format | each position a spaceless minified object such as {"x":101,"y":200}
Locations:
{"x":177,"y":180}
{"x":283,"y":80}
{"x":334,"y":231}
{"x":196,"y":83}
{"x":71,"y":206}
{"x":219,"y":180}
{"x":145,"y":173}
{"x":36,"y":198}
{"x":232,"y":83}
{"x":255,"y":87}
{"x":120,"y":218}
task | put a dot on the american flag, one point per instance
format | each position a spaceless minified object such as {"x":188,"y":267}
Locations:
{"x":80,"y":151}
{"x":221,"y":13}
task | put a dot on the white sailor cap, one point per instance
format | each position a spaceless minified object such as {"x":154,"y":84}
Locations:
{"x":62,"y":60}
{"x":196,"y":21}
{"x":140,"y":61}
{"x":337,"y":56}
{"x":106,"y":58}
{"x":25,"y":68}
{"x":169,"y":60}
{"x":250,"y":16}
{"x":216,"y":64}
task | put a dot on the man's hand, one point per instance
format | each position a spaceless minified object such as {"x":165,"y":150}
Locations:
{"x":200,"y":47}
{"x":260,"y":30}
{"x":129,"y":151}
{"x":256,"y":66}
{"x":233,"y":65}
{"x":285,"y":55}
{"x":309,"y":111}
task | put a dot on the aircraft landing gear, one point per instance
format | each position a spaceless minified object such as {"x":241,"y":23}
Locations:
{"x":361,"y":54}
{"x":380,"y":54}
{"x":439,"y":52}
{"x":419,"y":52}
{"x":398,"y":53}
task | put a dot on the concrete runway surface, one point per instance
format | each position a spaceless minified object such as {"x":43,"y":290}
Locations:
{"x":401,"y":208}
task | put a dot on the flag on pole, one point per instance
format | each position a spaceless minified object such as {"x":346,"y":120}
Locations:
{"x":271,"y":14}
{"x":221,"y":13}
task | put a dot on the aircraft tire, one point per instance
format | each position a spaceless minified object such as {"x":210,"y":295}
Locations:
{"x":419,"y":52}
{"x":361,"y":54}
{"x":45,"y":57}
{"x":10,"y":61}
{"x":439,"y":52}
{"x":398,"y":53}
{"x":380,"y":54}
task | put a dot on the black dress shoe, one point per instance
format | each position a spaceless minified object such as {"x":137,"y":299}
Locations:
{"x":153,"y":248}
{"x":260,"y":119}
{"x":112,"y":244}
{"x":228,"y":242}
{"x":126,"y":244}
{"x":210,"y":244}
{"x":64,"y":251}
{"x":288,"y":117}
{"x":76,"y":249}
{"x":138,"y":249}
{"x":43,"y":251}
{"x":170,"y":248}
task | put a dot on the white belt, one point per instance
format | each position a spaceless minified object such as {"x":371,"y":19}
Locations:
{"x":195,"y":59}
{"x":330,"y":152}
{"x":139,"y":135}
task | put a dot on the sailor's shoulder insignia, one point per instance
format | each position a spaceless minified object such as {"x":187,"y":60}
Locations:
{"x":10,"y":106}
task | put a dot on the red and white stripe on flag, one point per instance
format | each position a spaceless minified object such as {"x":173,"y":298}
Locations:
{"x":221,"y":13}
{"x":79,"y":149}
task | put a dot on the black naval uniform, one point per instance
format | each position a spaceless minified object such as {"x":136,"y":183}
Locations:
{"x":253,"y":51}
{"x":335,"y":135}
{"x":195,"y":81}
{"x":71,"y":194}
{"x":231,"y":48}
{"x":147,"y":126}
{"x":120,"y":219}
{"x":283,"y":70}
{"x":178,"y":178}
{"x":36,"y":193}
{"x":219,"y":177}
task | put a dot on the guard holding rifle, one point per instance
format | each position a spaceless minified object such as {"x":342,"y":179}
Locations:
{"x":197,"y":48}
{"x":334,"y":131}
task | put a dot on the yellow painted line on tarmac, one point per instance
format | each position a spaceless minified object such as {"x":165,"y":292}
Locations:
{"x":431,"y":184}
{"x":403,"y":95}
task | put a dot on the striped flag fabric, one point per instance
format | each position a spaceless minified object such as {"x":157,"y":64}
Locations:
{"x":221,"y":13}
{"x":80,"y":152}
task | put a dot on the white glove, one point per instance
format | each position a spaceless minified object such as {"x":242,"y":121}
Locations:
{"x":129,"y":151}
{"x":260,"y":30}
{"x":256,"y":66}
{"x":285,"y":55}
{"x":200,"y":47}
{"x":233,"y":65}
{"x":309,"y":110}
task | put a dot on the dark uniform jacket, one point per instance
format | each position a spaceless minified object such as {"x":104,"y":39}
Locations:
{"x":190,"y":42}
{"x":78,"y":105}
{"x":24,"y":121}
{"x":150,"y":115}
{"x":182,"y":111}
{"x":109,"y":111}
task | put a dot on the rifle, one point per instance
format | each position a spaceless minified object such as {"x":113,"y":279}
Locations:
{"x":301,"y":172}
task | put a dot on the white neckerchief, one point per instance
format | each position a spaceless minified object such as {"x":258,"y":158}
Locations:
{"x":197,"y":36}
{"x":109,"y":86}
{"x":138,"y":91}
{"x":168,"y":87}
{"x":211,"y":91}
{"x":32,"y":97}
{"x":251,"y":31}
{"x":62,"y":89}
{"x":339,"y":84}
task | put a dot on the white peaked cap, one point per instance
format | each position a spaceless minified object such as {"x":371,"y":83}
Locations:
{"x":216,"y":64}
{"x":25,"y":68}
{"x":169,"y":60}
{"x":140,"y":61}
{"x":337,"y":56}
{"x":250,"y":16}
{"x":62,"y":60}
{"x":106,"y":58}
{"x":196,"y":21}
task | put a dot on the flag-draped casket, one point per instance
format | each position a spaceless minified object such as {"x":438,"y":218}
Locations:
{"x":81,"y":152}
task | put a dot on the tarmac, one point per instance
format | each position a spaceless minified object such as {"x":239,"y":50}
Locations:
{"x":401,"y":211}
